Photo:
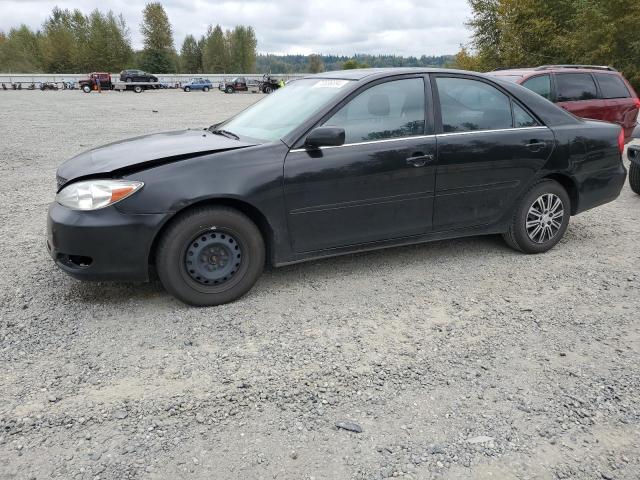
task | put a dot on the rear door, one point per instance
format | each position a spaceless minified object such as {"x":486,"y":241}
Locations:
{"x":578,"y":93}
{"x":489,"y":148}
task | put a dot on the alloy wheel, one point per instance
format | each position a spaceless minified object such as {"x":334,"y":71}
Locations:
{"x":544,"y":218}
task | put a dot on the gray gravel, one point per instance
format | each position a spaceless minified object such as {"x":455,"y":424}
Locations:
{"x":457,"y":360}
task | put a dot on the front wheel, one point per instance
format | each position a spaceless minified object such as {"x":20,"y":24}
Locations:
{"x":540,"y":218}
{"x":634,"y":177}
{"x":129,"y":80}
{"x":229,"y":90}
{"x":86,"y":88}
{"x":187,"y":89}
{"x":268,"y":89}
{"x":209,"y":256}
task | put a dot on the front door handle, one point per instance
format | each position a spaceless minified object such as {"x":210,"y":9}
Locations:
{"x":535,"y":145}
{"x":419,"y":159}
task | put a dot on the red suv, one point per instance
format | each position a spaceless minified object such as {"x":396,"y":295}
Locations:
{"x":588,"y":91}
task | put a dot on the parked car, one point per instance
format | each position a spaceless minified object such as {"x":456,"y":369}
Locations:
{"x":600,"y":93}
{"x":90,"y":83}
{"x":198,"y":84}
{"x":334,"y":163}
{"x":137,"y":76}
{"x":633,"y":152}
{"x":238,"y":84}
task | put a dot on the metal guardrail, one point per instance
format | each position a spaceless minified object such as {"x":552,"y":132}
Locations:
{"x":168,"y":78}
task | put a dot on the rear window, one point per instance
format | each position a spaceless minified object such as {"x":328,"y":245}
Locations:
{"x":575,"y":86}
{"x":612,"y":86}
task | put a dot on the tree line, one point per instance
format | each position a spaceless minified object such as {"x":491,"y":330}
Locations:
{"x":525,"y":33}
{"x":71,"y":42}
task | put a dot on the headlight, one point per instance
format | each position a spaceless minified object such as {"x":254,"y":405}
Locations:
{"x":95,"y":194}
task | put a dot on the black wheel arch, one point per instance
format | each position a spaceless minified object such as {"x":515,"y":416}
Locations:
{"x":252,"y":212}
{"x":570,"y":186}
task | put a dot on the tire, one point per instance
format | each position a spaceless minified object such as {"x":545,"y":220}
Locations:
{"x":229,"y":90}
{"x":129,"y":80}
{"x":228,"y":233}
{"x":528,"y":238}
{"x":205,"y":89}
{"x":187,"y":89}
{"x":137,"y":88}
{"x":634,"y":177}
{"x":268,"y":89}
{"x":86,"y":88}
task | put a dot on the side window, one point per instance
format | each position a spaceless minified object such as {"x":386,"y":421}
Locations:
{"x":575,"y":86}
{"x":541,"y":85}
{"x":521,"y":118}
{"x":612,"y":86}
{"x":468,"y":105}
{"x":388,"y":110}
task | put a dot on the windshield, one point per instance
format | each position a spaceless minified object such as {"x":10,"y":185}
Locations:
{"x":285,"y":109}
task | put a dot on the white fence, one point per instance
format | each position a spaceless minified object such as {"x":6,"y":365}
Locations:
{"x":168,"y":78}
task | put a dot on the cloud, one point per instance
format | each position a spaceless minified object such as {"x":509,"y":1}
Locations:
{"x":402,"y":27}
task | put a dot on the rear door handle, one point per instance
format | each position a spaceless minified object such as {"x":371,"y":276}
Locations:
{"x":535,"y":145}
{"x":419,"y":160}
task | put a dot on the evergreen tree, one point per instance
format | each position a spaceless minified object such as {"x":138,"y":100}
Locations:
{"x":20,"y":51}
{"x":159,"y":55}
{"x":316,"y":64}
{"x":190,"y":56}
{"x":215,"y":52}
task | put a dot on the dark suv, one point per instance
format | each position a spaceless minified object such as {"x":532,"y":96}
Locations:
{"x":137,"y":76}
{"x":588,"y":91}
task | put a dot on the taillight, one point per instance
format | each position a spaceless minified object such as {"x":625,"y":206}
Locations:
{"x":637,"y":102}
{"x":621,"y":141}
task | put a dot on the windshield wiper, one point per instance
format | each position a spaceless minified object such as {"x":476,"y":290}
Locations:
{"x":225,"y":133}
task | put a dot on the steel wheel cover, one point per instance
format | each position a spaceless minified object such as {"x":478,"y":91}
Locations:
{"x":213,"y":257}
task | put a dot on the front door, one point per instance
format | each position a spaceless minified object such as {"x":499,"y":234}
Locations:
{"x":378,"y":185}
{"x":489,"y":148}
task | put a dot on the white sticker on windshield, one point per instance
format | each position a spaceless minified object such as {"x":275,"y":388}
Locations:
{"x":330,"y":84}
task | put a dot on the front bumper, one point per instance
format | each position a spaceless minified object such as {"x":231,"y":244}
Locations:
{"x":102,"y":244}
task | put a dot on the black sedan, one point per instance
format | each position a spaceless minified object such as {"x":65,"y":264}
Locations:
{"x":334,"y":163}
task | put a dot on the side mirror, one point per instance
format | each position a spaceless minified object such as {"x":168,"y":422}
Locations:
{"x":325,"y":137}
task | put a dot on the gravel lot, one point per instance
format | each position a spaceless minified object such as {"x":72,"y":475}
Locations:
{"x":458,"y":359}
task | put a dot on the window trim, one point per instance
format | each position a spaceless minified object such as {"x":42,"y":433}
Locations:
{"x":601,"y":92}
{"x":589,"y":74}
{"x":429,"y":125}
{"x":551,"y":85}
{"x":438,"y":112}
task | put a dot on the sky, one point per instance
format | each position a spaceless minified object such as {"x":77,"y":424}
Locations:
{"x":401,"y":27}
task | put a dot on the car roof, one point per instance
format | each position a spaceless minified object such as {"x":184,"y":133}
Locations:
{"x":528,"y":72}
{"x":362,"y":73}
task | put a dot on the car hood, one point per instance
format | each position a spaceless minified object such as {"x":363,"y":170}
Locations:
{"x":146,"y":151}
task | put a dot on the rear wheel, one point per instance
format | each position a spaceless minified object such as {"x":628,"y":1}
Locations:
{"x":137,"y":89}
{"x":210,"y":256}
{"x":187,"y":89}
{"x":86,"y":88}
{"x":205,"y":89}
{"x":129,"y":80}
{"x":634,"y":177}
{"x":540,"y":219}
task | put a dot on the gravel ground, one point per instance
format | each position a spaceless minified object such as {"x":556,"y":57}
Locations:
{"x":457,"y":359}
